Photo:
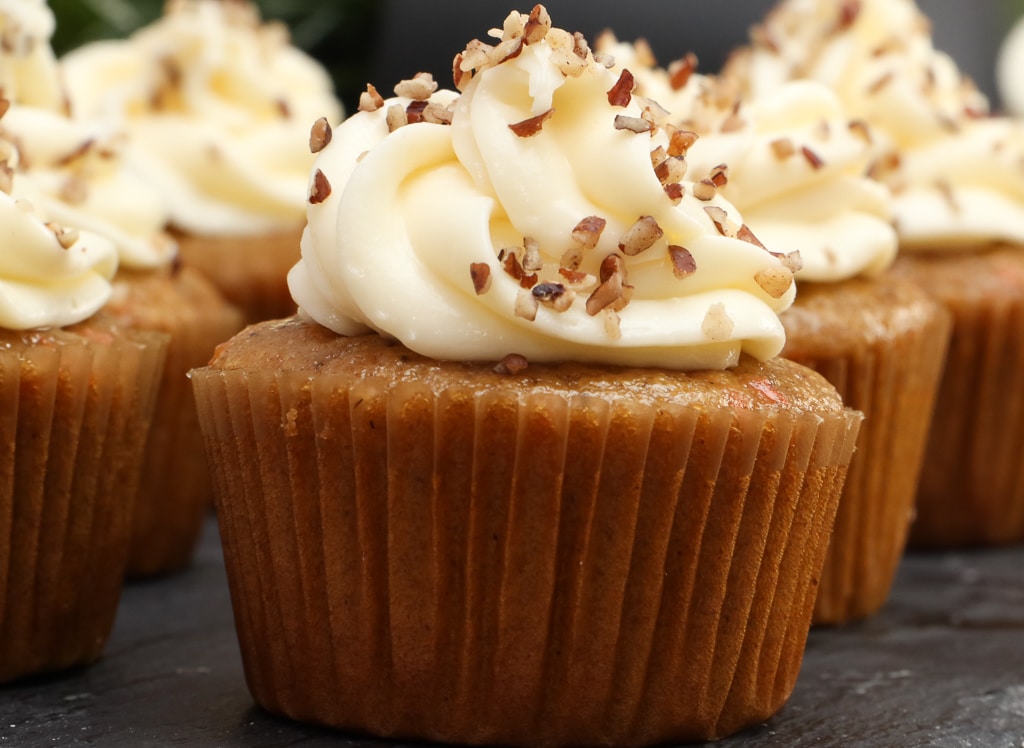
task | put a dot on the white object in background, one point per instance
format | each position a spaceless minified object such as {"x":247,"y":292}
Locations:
{"x":1010,"y":70}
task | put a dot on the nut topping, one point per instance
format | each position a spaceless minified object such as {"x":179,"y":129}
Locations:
{"x":774,"y":281}
{"x":587,"y":232}
{"x":537,"y":25}
{"x":683,"y":263}
{"x":622,"y":92}
{"x":511,"y":365}
{"x":633,"y":124}
{"x":680,"y":71}
{"x":418,"y":88}
{"x":320,"y":190}
{"x":640,"y":237}
{"x":320,"y":135}
{"x":480,"y":272}
{"x":717,"y":324}
{"x":530,"y":127}
{"x":370,"y":100}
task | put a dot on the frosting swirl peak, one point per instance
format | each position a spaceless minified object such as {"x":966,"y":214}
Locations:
{"x":550,"y":218}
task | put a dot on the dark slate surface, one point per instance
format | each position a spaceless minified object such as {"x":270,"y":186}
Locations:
{"x":942,"y":665}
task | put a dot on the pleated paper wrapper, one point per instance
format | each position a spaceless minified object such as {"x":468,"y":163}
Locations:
{"x":175,"y":493}
{"x":250,"y":271}
{"x":972,"y":483}
{"x":891,"y":374}
{"x":75,"y":410}
{"x":475,"y":567}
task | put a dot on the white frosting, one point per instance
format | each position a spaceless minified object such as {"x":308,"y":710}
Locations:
{"x":72,"y":171}
{"x":409,"y":212}
{"x":880,"y":61}
{"x":218,"y":108}
{"x":42,"y":282}
{"x":80,"y":179}
{"x":28,"y":70}
{"x":965,"y":191}
{"x":819,"y":203}
{"x":957,"y":176}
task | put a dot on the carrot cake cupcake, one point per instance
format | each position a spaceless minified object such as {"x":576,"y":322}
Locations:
{"x":75,"y":172}
{"x":525,"y":470}
{"x":956,"y":175}
{"x":217,"y":105}
{"x":76,"y":396}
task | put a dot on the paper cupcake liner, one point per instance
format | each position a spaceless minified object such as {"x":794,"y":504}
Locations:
{"x":890,"y":372}
{"x":250,"y":271}
{"x":175,"y":489}
{"x":538,"y":570}
{"x":75,"y":409}
{"x":972,"y":485}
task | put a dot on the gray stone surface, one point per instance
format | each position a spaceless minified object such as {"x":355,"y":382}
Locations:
{"x":942,"y":665}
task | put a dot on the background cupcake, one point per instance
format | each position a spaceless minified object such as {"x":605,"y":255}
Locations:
{"x":957,"y":201}
{"x":76,"y":396}
{"x":611,"y":550}
{"x":217,"y":106}
{"x":794,"y":163}
{"x":75,"y":172}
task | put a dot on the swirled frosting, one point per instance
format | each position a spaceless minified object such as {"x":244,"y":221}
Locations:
{"x":80,"y":179}
{"x":796,"y":170}
{"x":544,"y":220}
{"x":965,"y":191}
{"x":792,"y":162}
{"x":28,"y":69}
{"x":74,"y":170}
{"x":877,"y":55}
{"x":956,"y":179}
{"x":218,"y":106}
{"x":50,"y":275}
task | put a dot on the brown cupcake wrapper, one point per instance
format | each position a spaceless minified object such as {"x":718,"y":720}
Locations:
{"x":972,"y":485}
{"x":469,"y":567}
{"x":893,"y":380}
{"x":250,"y":271}
{"x":175,"y":489}
{"x":73,"y":416}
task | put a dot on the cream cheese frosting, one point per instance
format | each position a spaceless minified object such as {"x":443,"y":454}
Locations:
{"x":955,"y":172}
{"x":877,"y":55}
{"x":535,"y":223}
{"x":218,"y":107}
{"x":50,"y":275}
{"x":80,"y":179}
{"x":792,"y":162}
{"x":965,"y":191}
{"x":28,"y":69}
{"x":797,"y":171}
{"x":73,"y":170}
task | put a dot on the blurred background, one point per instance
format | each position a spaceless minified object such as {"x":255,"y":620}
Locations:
{"x":384,"y":41}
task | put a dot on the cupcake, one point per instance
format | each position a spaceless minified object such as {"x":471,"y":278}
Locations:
{"x":794,"y":164}
{"x":76,"y":174}
{"x":525,"y":469}
{"x":76,"y":396}
{"x":217,"y":106}
{"x":958,"y":201}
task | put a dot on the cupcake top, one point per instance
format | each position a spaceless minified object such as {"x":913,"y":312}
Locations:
{"x":877,"y":55}
{"x":793,"y":162}
{"x":28,"y":69}
{"x":73,"y":171}
{"x":218,"y":106}
{"x":542,"y":212}
{"x":50,"y":275}
{"x":956,"y":175}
